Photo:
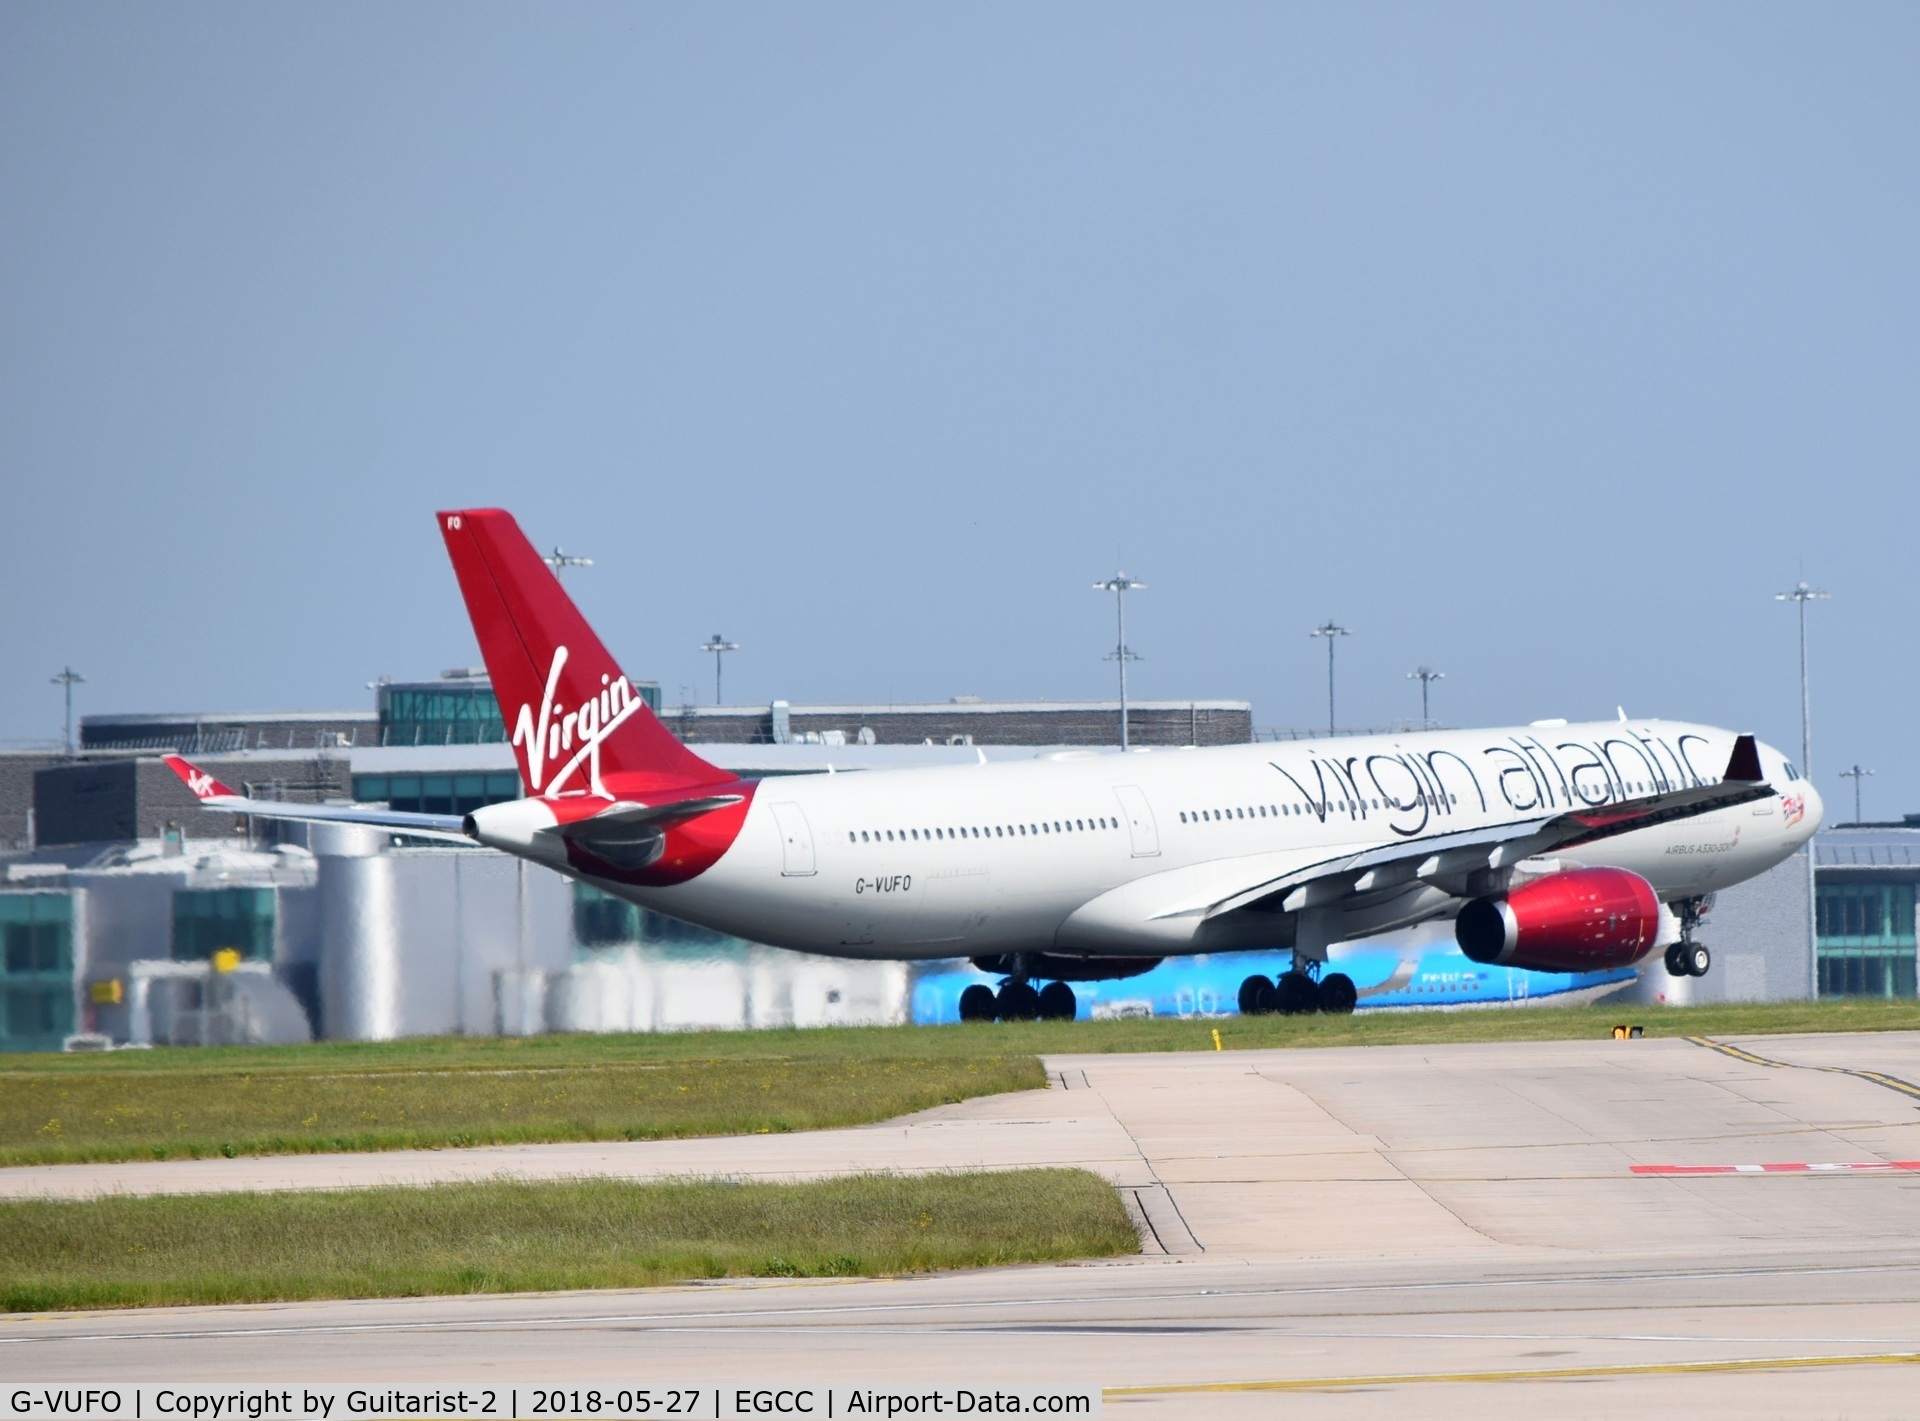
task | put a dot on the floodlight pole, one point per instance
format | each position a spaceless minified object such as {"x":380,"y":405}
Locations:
{"x":560,"y":560}
{"x":719,"y":646}
{"x":67,"y":680}
{"x":1330,"y":631}
{"x":1856,"y":774}
{"x":1426,"y":676}
{"x":1120,"y":585}
{"x":1800,"y":596}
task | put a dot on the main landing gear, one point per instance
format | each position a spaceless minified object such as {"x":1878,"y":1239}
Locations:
{"x":1687,"y":958}
{"x":1296,"y":993}
{"x":1018,"y":1001}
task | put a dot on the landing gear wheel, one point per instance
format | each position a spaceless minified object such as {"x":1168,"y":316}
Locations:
{"x":1677,"y":960}
{"x":1256,"y":997}
{"x":1018,"y":1002}
{"x":976,"y":1003}
{"x":1057,"y":1002}
{"x":1699,"y":960}
{"x":1337,"y":994}
{"x":1296,"y":994}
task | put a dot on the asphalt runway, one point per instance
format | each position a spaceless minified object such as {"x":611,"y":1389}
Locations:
{"x":1430,"y":1231}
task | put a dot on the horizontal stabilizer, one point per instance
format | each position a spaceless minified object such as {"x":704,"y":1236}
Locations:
{"x":622,"y":821}
{"x":214,"y":795}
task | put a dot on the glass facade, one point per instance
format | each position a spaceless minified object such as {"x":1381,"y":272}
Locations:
{"x":455,"y":712}
{"x":1866,"y":939}
{"x":601,"y":921}
{"x":441,"y":713}
{"x":36,"y":971}
{"x":436,"y":794}
{"x":208,"y":919}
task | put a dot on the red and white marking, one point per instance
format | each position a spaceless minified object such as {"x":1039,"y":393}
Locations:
{"x":1872,"y":1166}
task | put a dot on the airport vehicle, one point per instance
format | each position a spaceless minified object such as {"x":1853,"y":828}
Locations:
{"x":1552,"y":847}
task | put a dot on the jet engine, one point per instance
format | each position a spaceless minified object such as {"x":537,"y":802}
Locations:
{"x":1580,"y":920}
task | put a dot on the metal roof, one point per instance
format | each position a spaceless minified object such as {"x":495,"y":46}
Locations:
{"x":1884,"y":846}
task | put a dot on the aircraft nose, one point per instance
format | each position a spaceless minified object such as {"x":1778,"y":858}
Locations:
{"x":1816,"y":809}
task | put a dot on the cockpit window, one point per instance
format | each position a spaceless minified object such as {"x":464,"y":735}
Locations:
{"x":1792,"y":773}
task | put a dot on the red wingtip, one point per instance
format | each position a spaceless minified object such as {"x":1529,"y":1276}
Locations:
{"x":203,"y":785}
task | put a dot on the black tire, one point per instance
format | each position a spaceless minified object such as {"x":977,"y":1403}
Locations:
{"x":1338,"y":996}
{"x":1256,"y":997}
{"x":1019,"y":1002}
{"x":976,"y":1003}
{"x":1699,"y":960}
{"x":1058,"y":1003}
{"x":1676,"y":959}
{"x":1296,"y":994}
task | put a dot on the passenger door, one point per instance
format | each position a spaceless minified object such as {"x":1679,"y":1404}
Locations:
{"x":1139,"y":816}
{"x":796,"y":841}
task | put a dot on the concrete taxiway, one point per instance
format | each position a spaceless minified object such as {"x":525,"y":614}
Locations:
{"x":1368,"y":1231}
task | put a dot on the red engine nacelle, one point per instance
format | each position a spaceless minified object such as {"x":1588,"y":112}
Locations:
{"x":1582,"y":920}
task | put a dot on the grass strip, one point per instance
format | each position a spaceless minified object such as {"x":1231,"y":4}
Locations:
{"x":459,"y":1091}
{"x":56,"y":1116}
{"x":511,"y":1236}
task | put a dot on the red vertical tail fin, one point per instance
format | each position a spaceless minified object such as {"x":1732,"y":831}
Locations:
{"x":577,"y":724}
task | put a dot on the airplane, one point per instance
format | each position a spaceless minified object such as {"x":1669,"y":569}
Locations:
{"x":1552,"y":847}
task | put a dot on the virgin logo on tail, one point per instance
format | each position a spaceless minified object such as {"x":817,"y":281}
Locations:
{"x":201,"y":784}
{"x":578,"y":733}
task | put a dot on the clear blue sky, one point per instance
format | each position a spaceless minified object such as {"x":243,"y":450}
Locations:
{"x":1541,"y":343}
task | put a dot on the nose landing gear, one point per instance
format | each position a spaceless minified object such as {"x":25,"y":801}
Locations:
{"x":1687,"y":958}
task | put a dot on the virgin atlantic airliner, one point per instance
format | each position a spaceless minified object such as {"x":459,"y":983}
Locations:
{"x":1552,"y":847}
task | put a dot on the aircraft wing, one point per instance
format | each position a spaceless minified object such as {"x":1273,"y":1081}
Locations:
{"x":1447,"y":859}
{"x":214,"y":795}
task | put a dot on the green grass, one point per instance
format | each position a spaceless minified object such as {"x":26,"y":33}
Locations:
{"x":505,"y":1236}
{"x":436,"y":1094}
{"x":455,"y":1091}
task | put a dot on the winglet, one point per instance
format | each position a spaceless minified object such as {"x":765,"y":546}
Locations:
{"x":204,"y":786}
{"x":1744,"y":763}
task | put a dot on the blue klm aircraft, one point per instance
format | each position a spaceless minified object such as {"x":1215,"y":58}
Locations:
{"x":1417,"y":969}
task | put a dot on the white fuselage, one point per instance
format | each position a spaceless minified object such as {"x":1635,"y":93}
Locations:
{"x":1107,"y":854}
